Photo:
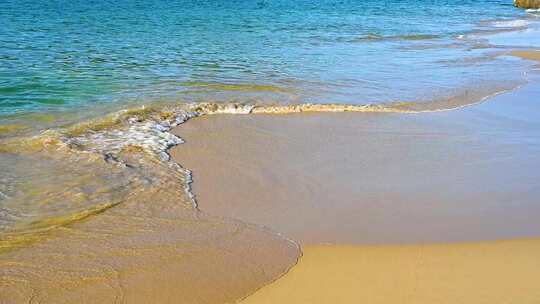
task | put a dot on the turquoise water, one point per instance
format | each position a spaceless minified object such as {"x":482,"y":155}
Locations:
{"x":68,"y":56}
{"x":88,"y":191}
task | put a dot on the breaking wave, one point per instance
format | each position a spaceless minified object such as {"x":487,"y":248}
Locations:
{"x":515,"y":23}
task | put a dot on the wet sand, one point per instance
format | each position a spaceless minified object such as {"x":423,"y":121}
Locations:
{"x":151,"y":246}
{"x":127,"y":256}
{"x":351,"y":187}
{"x":480,"y":273}
{"x":367,"y":178}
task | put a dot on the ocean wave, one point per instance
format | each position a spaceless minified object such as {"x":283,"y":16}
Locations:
{"x":517,"y":23}
{"x":480,"y":36}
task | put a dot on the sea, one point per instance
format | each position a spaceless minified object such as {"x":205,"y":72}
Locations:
{"x":89,"y":91}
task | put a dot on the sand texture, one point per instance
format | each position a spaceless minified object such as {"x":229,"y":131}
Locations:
{"x":480,"y":273}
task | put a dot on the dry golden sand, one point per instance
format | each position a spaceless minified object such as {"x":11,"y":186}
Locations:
{"x":495,"y":272}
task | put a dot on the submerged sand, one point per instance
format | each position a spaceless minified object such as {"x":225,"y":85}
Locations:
{"x":133,"y":234}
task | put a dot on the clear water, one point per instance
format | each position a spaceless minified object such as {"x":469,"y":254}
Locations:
{"x":58,"y":55}
{"x":72,"y":177}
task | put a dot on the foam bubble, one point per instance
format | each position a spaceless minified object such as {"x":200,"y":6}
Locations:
{"x":511,"y":23}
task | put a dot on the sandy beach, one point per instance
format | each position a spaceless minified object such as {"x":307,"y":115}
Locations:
{"x":482,"y":273}
{"x":381,"y":204}
{"x":408,"y":208}
{"x":276,"y":151}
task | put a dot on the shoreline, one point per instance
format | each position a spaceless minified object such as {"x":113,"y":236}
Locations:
{"x":162,"y":219}
{"x":439,"y":170}
{"x":343,"y":272}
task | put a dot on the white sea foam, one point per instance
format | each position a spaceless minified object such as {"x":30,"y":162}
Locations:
{"x":511,"y":23}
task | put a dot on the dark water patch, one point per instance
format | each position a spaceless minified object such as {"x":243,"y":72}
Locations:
{"x":406,"y":37}
{"x":234,"y":86}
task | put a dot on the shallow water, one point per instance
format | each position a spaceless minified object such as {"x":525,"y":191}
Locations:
{"x":87,"y":223}
{"x":58,"y":56}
